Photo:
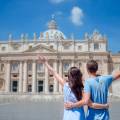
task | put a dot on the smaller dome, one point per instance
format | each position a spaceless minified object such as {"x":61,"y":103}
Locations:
{"x":96,"y":35}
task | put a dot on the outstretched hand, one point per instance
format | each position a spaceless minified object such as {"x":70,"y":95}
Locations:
{"x":42,"y":59}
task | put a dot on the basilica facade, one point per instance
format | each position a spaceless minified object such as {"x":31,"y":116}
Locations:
{"x":20,"y":71}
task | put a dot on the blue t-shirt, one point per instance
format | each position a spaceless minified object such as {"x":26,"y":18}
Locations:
{"x":98,"y":88}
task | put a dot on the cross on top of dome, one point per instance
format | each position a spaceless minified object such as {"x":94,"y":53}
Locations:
{"x":53,"y":16}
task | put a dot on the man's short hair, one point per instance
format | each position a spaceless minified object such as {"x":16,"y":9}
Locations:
{"x":92,"y":66}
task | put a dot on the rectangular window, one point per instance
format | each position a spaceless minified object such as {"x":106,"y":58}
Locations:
{"x":14,"y":86}
{"x":80,"y":47}
{"x":96,"y":46}
{"x":40,"y":86}
{"x":3,"y":48}
{"x":29,"y":88}
{"x":29,"y":66}
{"x":50,"y":88}
{"x":14,"y":67}
{"x":66,"y":67}
{"x":40,"y":67}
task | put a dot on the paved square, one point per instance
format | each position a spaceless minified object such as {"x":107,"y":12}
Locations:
{"x":44,"y":110}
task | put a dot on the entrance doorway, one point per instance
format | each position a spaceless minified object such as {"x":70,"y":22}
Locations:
{"x":29,"y":88}
{"x":14,"y":86}
{"x":50,"y":88}
{"x":40,"y":86}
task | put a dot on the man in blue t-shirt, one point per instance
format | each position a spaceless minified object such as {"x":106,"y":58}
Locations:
{"x":96,"y":89}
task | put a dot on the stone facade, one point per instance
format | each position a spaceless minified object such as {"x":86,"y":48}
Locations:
{"x":20,"y":71}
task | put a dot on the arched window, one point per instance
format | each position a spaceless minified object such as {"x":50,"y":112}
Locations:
{"x":51,"y":46}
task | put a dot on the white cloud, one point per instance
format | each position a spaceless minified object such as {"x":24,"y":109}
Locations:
{"x":77,"y":16}
{"x":57,"y":1}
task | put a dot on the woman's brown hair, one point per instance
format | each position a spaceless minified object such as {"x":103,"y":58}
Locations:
{"x":75,"y":82}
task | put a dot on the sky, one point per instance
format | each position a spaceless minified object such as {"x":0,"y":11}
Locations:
{"x":73,"y":17}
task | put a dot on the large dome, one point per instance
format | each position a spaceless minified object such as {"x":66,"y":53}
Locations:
{"x":53,"y":33}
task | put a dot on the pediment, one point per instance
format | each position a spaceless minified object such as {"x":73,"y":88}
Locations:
{"x":40,"y":48}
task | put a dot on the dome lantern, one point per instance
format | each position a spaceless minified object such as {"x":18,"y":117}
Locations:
{"x":52,"y":24}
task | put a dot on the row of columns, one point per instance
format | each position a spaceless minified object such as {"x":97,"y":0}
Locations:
{"x":23,"y":77}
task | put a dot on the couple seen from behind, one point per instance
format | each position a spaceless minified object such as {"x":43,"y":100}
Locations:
{"x":93,"y":92}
